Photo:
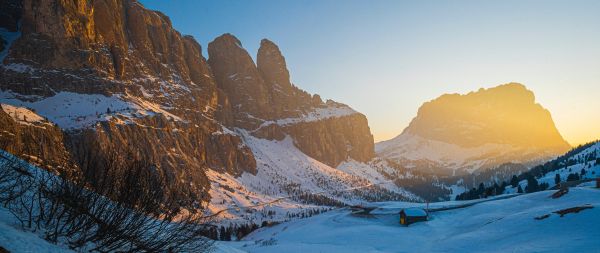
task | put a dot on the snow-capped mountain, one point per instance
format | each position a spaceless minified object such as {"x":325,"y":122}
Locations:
{"x":79,"y":92}
{"x":482,"y":129}
{"x":467,"y":137}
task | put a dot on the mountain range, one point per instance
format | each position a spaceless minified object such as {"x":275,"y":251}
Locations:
{"x":457,"y":141}
{"x":478,"y":130}
{"x":87,"y":84}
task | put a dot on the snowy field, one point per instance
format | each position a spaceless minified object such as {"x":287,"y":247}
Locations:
{"x":500,"y":225}
{"x":505,"y":225}
{"x":13,"y":239}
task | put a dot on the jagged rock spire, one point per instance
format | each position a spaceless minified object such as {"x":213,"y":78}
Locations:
{"x":272,"y":66}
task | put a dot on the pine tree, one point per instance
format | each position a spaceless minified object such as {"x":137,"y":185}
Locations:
{"x":514,"y":181}
{"x":519,"y":190}
{"x":573,"y":177}
{"x":557,"y":179}
{"x":481,"y":188}
{"x":532,"y":185}
{"x":222,"y":233}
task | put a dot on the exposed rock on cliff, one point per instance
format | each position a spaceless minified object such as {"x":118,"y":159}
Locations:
{"x":116,"y":77}
{"x":507,"y":114}
{"x":30,"y":136}
{"x":114,"y":74}
{"x":261,"y":98}
{"x":481,"y":129}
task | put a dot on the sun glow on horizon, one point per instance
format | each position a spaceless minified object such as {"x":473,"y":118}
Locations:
{"x":386,"y":58}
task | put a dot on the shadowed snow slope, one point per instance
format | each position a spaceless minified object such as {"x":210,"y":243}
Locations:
{"x":506,"y":225}
{"x":284,"y":171}
{"x":15,"y":239}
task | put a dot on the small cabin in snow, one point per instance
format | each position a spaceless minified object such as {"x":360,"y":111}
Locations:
{"x":411,"y":215}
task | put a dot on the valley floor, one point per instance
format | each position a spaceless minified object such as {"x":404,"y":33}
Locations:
{"x":502,"y":225}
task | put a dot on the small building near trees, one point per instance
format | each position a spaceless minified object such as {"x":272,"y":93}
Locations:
{"x":411,"y":215}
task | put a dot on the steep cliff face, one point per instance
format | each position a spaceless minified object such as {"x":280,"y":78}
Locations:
{"x":481,"y":129}
{"x":330,"y":140}
{"x":458,"y":141}
{"x":180,"y":153}
{"x":106,"y":47}
{"x":33,"y":138}
{"x":290,"y":100}
{"x":260,"y":98}
{"x":506,"y":114}
{"x":115,"y":76}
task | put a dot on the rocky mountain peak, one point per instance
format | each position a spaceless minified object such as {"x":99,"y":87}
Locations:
{"x":118,"y":78}
{"x":237,"y":76}
{"x":271,"y":64}
{"x":463,"y":133}
{"x":506,"y":114}
{"x":228,"y":47}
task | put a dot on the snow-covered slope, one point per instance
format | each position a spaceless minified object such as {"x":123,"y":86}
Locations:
{"x":14,"y":239}
{"x":331,"y":110}
{"x":283,"y":169}
{"x":23,"y":115}
{"x":585,"y":164}
{"x":286,"y":173}
{"x":412,"y":151}
{"x":75,"y":111}
{"x":506,"y":225}
{"x":447,"y":169}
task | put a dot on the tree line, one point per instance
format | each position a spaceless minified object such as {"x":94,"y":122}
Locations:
{"x":566,"y":160}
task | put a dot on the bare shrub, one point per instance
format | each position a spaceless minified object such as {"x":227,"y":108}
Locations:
{"x":123,"y":213}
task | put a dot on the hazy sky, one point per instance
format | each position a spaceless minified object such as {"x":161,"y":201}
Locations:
{"x":385,"y":58}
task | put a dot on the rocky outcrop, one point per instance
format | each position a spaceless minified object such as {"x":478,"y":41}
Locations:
{"x":106,"y":47}
{"x":259,"y":96}
{"x":459,"y":141}
{"x":289,"y":98}
{"x":179,"y":152}
{"x":506,"y":114}
{"x":150,"y":95}
{"x":236,"y":75}
{"x":119,"y":48}
{"x":479,"y":130}
{"x":38,"y":142}
{"x":330,"y":141}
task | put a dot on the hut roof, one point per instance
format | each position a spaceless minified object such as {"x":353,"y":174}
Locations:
{"x":414,"y":212}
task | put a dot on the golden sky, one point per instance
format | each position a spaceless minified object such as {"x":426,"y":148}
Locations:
{"x":385,"y":58}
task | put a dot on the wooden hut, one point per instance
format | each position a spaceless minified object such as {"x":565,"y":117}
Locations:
{"x":411,"y":215}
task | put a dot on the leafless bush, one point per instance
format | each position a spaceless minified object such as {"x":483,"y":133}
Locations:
{"x":124,"y":213}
